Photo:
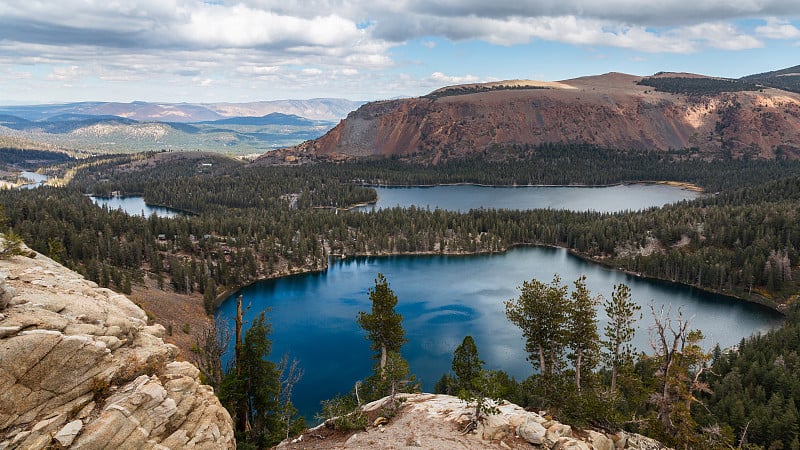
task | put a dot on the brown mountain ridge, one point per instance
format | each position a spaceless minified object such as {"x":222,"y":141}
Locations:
{"x":718,"y":117}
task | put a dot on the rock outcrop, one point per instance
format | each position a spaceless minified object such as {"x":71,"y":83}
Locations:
{"x":81,"y":368}
{"x":435,"y":422}
{"x":610,"y":111}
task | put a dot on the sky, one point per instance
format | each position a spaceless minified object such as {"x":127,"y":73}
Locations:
{"x":200,"y":51}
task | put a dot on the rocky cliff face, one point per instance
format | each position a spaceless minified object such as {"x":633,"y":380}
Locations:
{"x":611,"y":111}
{"x":80,"y":368}
{"x":435,"y":422}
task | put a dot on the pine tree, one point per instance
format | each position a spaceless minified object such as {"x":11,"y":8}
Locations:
{"x":466,"y":363}
{"x":583,"y":337}
{"x":250,"y":390}
{"x":619,"y":332}
{"x":384,"y":326}
{"x":210,"y":296}
{"x":541,"y":312}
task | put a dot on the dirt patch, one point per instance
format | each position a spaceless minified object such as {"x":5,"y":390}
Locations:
{"x":181,"y":314}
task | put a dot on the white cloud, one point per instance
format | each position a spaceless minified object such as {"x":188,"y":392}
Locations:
{"x":258,"y":70}
{"x":240,"y":26}
{"x":720,"y":36}
{"x":63,"y":73}
{"x":441,"y":78}
{"x":12,"y":74}
{"x":241,"y":43}
{"x":778,"y":29}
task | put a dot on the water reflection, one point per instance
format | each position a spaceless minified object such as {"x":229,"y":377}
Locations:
{"x":466,"y":197}
{"x":35,"y":179}
{"x":134,"y":205}
{"x":442,"y":299}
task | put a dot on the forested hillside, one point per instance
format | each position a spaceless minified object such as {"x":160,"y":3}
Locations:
{"x":247,"y":222}
{"x":278,"y":219}
{"x":787,"y":79}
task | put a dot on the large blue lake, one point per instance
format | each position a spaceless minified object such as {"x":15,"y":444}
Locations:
{"x":444,"y":298}
{"x":465,"y":197}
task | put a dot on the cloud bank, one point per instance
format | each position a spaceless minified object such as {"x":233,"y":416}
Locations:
{"x":325,"y":41}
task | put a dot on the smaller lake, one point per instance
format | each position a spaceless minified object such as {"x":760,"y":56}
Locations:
{"x":134,"y":205}
{"x":465,"y":197}
{"x":37,"y":179}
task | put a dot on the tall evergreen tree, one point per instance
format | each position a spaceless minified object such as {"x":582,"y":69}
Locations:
{"x":541,"y":312}
{"x":250,"y":390}
{"x":467,"y":365}
{"x":384,"y":326}
{"x":621,"y":311}
{"x":582,"y":325}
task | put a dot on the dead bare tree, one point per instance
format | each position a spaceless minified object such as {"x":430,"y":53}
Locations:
{"x":681,"y":363}
{"x":666,"y":341}
{"x":289,"y":373}
{"x":211,"y":343}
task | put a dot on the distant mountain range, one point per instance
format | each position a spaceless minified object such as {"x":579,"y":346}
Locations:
{"x":327,"y":109}
{"x":757,"y":116}
{"x":100,"y":127}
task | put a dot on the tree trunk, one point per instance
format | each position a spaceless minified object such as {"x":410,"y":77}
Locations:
{"x":578,"y":370}
{"x":542,"y":363}
{"x":614,"y":378}
{"x":238,"y":343}
{"x":383,"y":361}
{"x":614,"y":369}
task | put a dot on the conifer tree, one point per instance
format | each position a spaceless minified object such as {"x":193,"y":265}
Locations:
{"x":540,"y":311}
{"x":583,"y":337}
{"x":466,"y":363}
{"x":384,"y":326}
{"x":621,"y":312}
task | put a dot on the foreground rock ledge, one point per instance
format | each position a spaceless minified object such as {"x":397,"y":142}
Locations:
{"x":80,"y":368}
{"x":434,"y":422}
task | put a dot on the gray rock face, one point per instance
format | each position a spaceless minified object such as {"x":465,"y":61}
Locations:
{"x":438,"y":422}
{"x":532,"y":432}
{"x":80,"y":368}
{"x":6,"y":292}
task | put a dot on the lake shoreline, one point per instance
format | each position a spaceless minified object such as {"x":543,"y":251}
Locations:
{"x":225,"y":295}
{"x":679,"y":184}
{"x":177,"y":211}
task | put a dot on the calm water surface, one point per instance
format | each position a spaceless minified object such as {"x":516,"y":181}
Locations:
{"x":37,"y":179}
{"x":135,"y":206}
{"x":444,"y":298}
{"x":465,"y":197}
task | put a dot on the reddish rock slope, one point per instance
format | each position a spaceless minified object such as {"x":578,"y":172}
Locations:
{"x":609,"y":110}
